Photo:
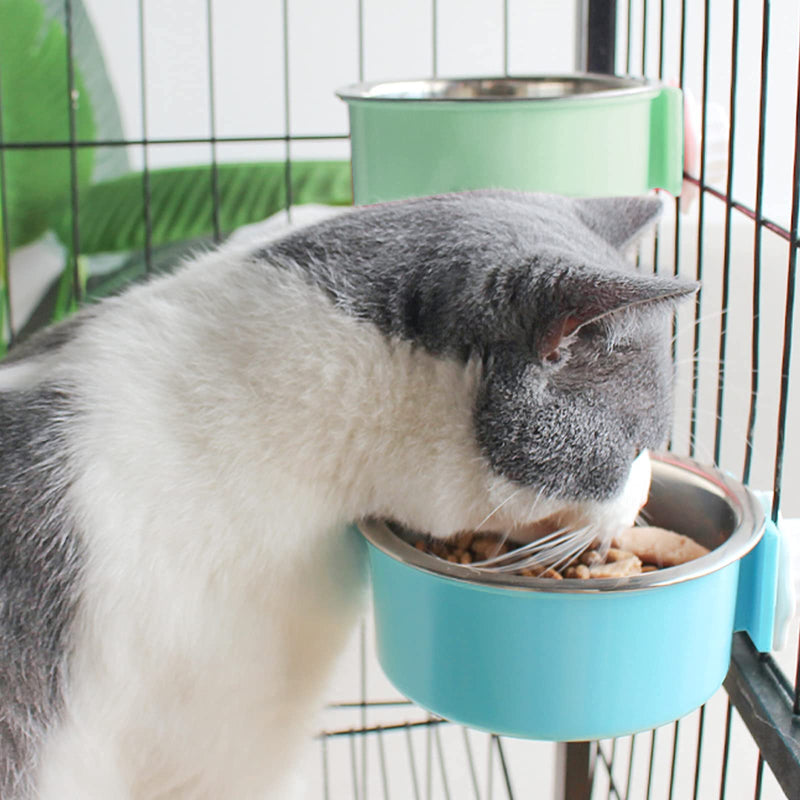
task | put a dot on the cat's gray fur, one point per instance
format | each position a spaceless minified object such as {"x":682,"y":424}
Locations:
{"x":485,"y":275}
{"x":40,"y":562}
{"x":490,"y":273}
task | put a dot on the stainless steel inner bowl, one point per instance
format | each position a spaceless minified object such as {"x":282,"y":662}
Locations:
{"x":700,"y":502}
{"x":542,"y":87}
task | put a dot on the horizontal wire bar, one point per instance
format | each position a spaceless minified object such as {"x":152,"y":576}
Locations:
{"x":369,"y":704}
{"x":427,"y":723}
{"x":784,"y":233}
{"x":66,"y":144}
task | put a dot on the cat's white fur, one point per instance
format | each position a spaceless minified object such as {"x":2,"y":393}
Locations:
{"x":221,"y":582}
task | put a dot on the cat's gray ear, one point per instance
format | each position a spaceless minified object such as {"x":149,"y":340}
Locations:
{"x":618,"y":220}
{"x":591,"y":296}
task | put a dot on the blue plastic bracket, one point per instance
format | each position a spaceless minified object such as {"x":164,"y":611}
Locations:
{"x":758,"y":589}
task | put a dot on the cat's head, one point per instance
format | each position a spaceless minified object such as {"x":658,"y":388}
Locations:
{"x":566,"y":347}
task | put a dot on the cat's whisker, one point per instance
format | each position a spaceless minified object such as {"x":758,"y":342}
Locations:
{"x":683,"y":382}
{"x":523,"y":550}
{"x":579,"y":547}
{"x":555,"y":550}
{"x":535,"y":503}
{"x":497,"y":508}
{"x":732,"y":432}
{"x":688,"y":327}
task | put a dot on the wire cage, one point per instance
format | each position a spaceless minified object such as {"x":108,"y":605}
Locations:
{"x":255,"y":120}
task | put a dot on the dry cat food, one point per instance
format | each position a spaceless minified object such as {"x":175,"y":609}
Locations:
{"x":633,"y":552}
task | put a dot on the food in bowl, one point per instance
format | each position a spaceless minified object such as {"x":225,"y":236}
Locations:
{"x":634,"y":551}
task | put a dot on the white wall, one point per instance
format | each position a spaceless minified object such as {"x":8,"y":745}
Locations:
{"x":323,"y":55}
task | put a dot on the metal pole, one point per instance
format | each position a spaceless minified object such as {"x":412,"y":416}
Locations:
{"x":598,"y":18}
{"x":595,"y":52}
{"x":575,"y":770}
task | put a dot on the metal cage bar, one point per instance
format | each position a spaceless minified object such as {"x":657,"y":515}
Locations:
{"x":765,"y":700}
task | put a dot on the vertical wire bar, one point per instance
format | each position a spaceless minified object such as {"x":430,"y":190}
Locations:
{"x":471,"y":762}
{"x":360,"y":41}
{"x":363,"y":687}
{"x":287,"y":111}
{"x":429,"y":763}
{"x":412,"y":764}
{"x":435,"y":37}
{"x":612,"y":787}
{"x":490,"y":768}
{"x":660,"y":77}
{"x":442,"y":767}
{"x":787,"y":347}
{"x":629,"y":49}
{"x":759,"y":775}
{"x":726,"y":258}
{"x":726,"y":750}
{"x":382,"y":761}
{"x":700,"y":728}
{"x":504,"y":766}
{"x":701,"y":206}
{"x":661,"y":27}
{"x":759,"y":205}
{"x":5,"y":247}
{"x":215,"y":202}
{"x":354,"y":767}
{"x":630,"y":768}
{"x":787,"y":332}
{"x":677,"y":237}
{"x":505,"y":37}
{"x":77,"y":292}
{"x":651,"y":763}
{"x":146,"y":189}
{"x":674,"y":759}
{"x":326,"y":789}
{"x":644,"y":38}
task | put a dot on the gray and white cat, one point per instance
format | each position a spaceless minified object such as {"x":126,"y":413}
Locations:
{"x":180,"y":463}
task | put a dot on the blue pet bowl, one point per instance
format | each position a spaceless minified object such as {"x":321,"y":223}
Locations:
{"x":572,"y":659}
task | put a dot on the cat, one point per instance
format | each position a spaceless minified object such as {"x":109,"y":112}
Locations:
{"x":180,"y":464}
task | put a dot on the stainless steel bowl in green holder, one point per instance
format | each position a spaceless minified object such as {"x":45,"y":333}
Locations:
{"x":582,"y":659}
{"x":579,"y":135}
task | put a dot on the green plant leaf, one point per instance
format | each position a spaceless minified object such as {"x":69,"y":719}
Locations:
{"x":137,"y":267}
{"x":182,"y":200}
{"x":3,"y":320}
{"x":108,"y":161}
{"x":35,"y":99}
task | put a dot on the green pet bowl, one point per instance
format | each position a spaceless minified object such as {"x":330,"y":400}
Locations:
{"x":579,"y":135}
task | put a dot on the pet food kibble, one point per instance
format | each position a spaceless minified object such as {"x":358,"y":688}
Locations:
{"x":484,"y":547}
{"x":464,"y":539}
{"x":580,"y":571}
{"x":591,"y":557}
{"x":615,"y":554}
{"x":551,"y":573}
{"x":635,"y":551}
{"x":621,"y":568}
{"x":659,"y":546}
